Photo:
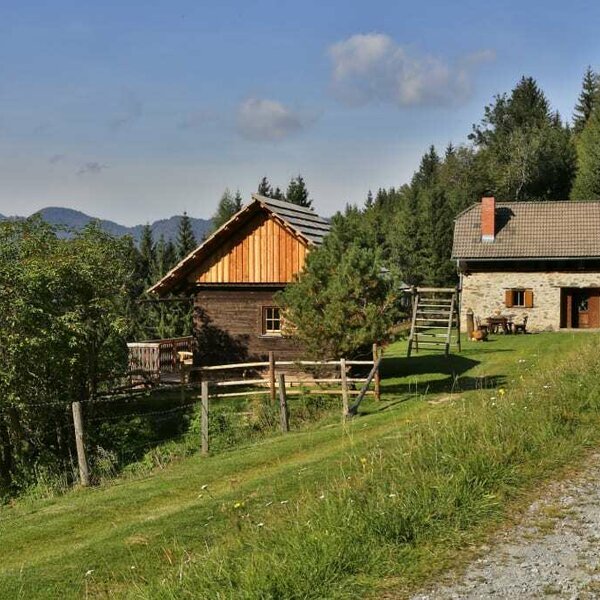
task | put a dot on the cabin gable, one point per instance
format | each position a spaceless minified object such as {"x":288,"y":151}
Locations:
{"x":263,"y":251}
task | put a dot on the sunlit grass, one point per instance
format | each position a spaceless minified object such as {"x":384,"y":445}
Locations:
{"x":325,"y":512}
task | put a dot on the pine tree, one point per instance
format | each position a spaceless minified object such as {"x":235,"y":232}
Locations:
{"x":264,"y":188}
{"x":165,"y":257}
{"x":238,"y":202}
{"x":186,"y":241}
{"x":588,"y":98}
{"x":147,"y":255}
{"x":297,"y":193}
{"x":170,"y":257}
{"x":227,"y":207}
{"x":527,"y":151}
{"x":587,"y":180}
{"x":369,"y":200}
{"x":159,"y":260}
{"x":525,"y":108}
{"x":277,"y":194}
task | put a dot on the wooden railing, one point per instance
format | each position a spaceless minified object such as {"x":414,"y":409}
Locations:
{"x":333,"y":377}
{"x":157,"y":358}
{"x":281,"y":379}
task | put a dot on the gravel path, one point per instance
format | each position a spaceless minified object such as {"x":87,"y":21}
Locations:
{"x":554,"y":553}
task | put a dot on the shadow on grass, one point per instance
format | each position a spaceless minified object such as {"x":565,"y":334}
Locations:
{"x":449,"y":384}
{"x":453,"y":367}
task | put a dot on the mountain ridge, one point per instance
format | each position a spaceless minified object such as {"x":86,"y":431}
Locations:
{"x":75,"y":220}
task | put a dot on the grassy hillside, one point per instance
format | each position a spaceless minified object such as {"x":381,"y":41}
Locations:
{"x":329,"y":511}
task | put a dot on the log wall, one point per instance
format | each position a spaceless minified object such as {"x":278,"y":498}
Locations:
{"x":232,"y":318}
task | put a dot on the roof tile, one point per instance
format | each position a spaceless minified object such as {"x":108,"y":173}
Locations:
{"x":548,"y":229}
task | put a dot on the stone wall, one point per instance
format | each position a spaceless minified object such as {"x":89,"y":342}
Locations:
{"x":484,"y":293}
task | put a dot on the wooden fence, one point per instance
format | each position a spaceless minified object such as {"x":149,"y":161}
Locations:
{"x":158,"y":359}
{"x":276,"y":379}
{"x":280,"y":379}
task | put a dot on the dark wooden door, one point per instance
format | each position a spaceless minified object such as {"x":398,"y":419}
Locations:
{"x":586,"y":305}
{"x":593,"y":308}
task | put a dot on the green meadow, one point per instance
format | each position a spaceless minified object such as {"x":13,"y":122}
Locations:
{"x":375,"y":506}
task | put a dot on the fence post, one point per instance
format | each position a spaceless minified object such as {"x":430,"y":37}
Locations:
{"x":182,"y":381}
{"x":283,"y":408}
{"x":344,"y":379}
{"x":376,"y":354}
{"x":272,"y":377}
{"x":204,"y":417}
{"x":84,"y":473}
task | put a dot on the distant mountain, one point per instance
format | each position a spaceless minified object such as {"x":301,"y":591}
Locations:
{"x":75,"y":220}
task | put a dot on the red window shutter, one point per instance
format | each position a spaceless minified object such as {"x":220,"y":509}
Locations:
{"x":508,"y":298}
{"x":528,"y":298}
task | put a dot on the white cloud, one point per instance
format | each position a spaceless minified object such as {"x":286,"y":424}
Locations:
{"x":372,"y":67}
{"x":91,"y":168}
{"x":268,"y":120}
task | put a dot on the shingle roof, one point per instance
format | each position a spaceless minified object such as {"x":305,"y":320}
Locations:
{"x":304,"y":221}
{"x":531,"y":230}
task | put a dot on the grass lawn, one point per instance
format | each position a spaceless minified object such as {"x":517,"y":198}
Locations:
{"x":127,"y":537}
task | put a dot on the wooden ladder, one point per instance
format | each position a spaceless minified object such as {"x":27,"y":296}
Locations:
{"x":435,"y":314}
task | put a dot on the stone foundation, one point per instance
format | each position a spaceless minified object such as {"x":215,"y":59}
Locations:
{"x":484,"y":293}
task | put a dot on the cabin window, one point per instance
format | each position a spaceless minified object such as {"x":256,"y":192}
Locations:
{"x":271,"y":320}
{"x":518,"y":298}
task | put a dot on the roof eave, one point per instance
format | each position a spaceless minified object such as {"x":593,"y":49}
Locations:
{"x":522,"y":258}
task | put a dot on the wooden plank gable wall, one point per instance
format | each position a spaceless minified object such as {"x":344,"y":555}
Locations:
{"x":263,"y":251}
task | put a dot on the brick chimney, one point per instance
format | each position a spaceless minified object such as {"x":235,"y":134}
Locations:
{"x":488,"y":219}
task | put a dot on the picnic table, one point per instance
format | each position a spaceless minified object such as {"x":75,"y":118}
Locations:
{"x":503,"y":322}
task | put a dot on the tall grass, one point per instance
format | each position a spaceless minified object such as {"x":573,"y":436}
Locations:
{"x":399,"y":511}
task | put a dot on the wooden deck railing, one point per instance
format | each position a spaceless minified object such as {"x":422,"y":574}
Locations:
{"x":157,"y":358}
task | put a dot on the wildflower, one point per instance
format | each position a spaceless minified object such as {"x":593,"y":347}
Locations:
{"x":260,"y":524}
{"x":132,"y":567}
{"x":501,"y":391}
{"x":322,"y":497}
{"x":238,"y":505}
{"x":89,"y":572}
{"x":392,"y":496}
{"x":363,"y":460}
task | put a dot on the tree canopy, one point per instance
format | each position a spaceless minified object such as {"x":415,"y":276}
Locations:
{"x":227,"y":207}
{"x":186,"y":240}
{"x":343,"y":302}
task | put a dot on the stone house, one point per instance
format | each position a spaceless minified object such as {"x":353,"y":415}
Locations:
{"x":235,"y":274}
{"x":534,"y":259}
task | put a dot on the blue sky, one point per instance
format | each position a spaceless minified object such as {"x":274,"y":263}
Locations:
{"x":135,"y":110}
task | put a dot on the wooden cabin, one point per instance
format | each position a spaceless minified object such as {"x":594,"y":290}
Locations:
{"x":539,"y":260}
{"x":235,"y":274}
